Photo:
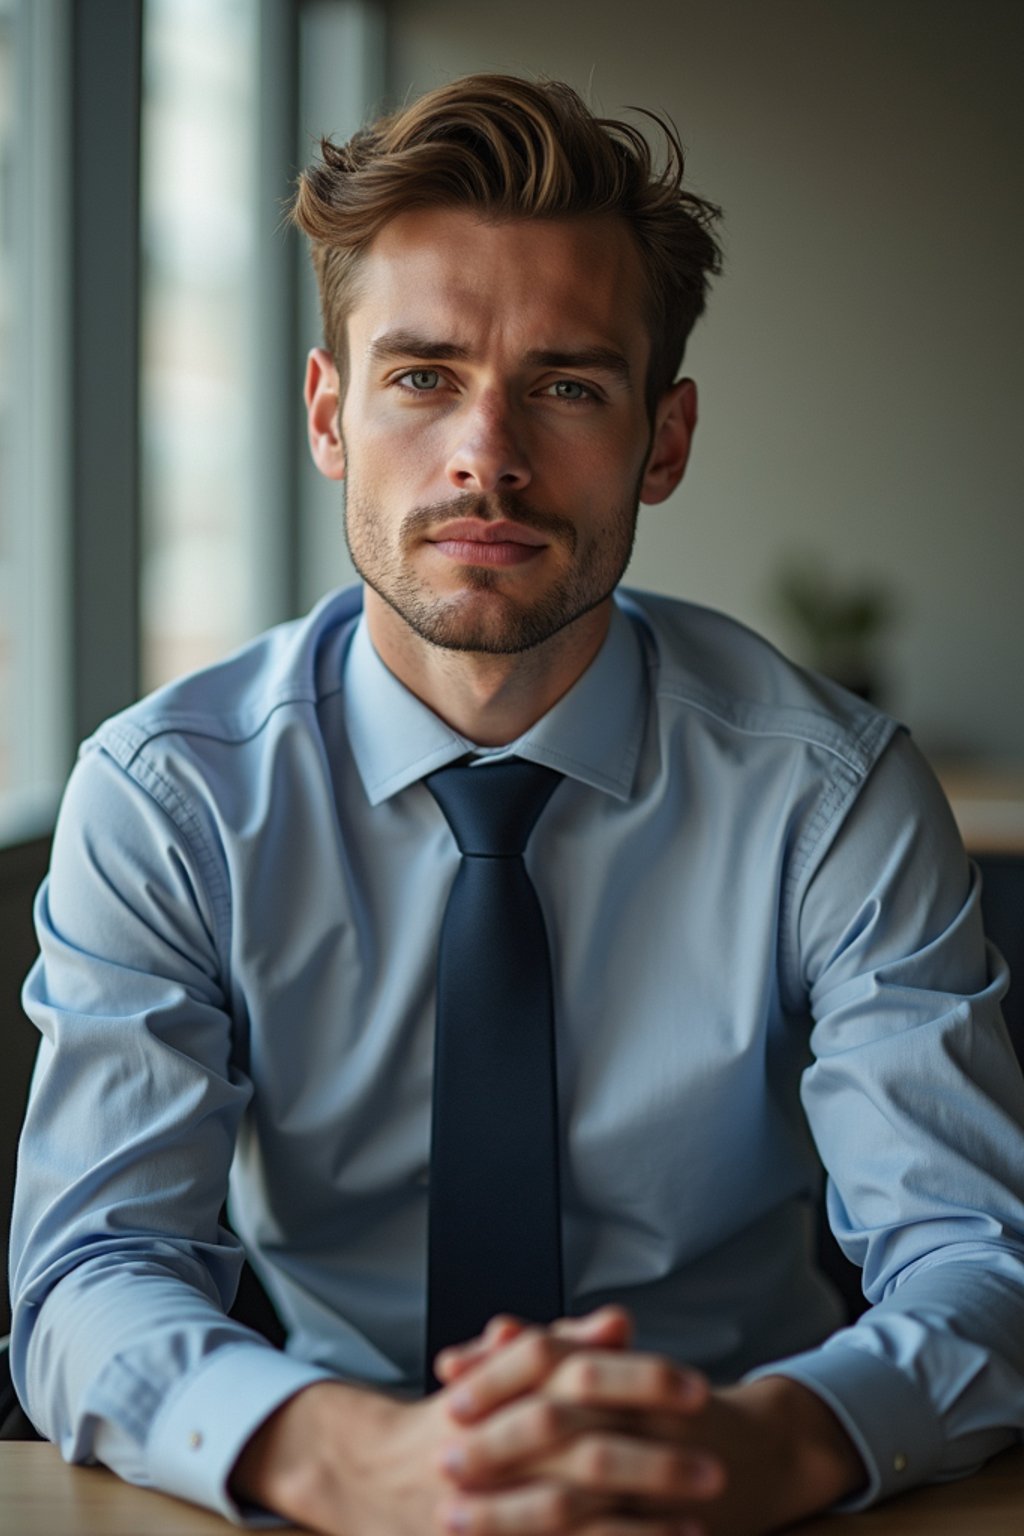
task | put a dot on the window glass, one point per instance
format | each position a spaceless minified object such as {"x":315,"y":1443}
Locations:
{"x":197,"y":234}
{"x":34,"y":744}
{"x":8,"y":605}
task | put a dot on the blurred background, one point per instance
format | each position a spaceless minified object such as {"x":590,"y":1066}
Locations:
{"x":856,"y":486}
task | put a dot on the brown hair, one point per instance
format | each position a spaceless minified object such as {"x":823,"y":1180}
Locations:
{"x":512,"y":149}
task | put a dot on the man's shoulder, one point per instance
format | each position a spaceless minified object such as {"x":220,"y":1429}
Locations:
{"x":717,"y":669}
{"x":296,"y":663}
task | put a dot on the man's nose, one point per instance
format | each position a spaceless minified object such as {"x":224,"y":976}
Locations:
{"x":489,"y":454}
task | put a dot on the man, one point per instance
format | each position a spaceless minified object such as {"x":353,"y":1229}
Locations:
{"x":760,"y":920}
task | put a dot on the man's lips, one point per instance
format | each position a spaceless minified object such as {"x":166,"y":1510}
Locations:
{"x":470,"y":541}
{"x":473,"y":530}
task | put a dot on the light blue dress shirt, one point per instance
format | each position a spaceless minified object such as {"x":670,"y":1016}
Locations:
{"x":766,"y":939}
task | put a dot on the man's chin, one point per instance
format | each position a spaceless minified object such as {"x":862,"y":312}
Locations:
{"x":484,"y":621}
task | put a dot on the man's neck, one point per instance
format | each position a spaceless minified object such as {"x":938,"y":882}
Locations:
{"x":491,"y":700}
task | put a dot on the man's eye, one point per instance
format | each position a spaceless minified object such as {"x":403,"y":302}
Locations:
{"x":569,"y":389}
{"x":422,"y":380}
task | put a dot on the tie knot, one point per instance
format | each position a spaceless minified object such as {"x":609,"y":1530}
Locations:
{"x":493,"y":809}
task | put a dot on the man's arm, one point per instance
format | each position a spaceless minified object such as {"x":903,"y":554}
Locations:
{"x":916,"y":1103}
{"x":121,"y":1274}
{"x":546,"y":1435}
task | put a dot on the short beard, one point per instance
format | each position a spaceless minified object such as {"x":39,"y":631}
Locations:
{"x":514,"y":629}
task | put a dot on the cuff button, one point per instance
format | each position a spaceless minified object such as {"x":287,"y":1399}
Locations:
{"x":899,"y":1462}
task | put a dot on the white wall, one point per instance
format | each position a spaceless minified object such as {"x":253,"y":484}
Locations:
{"x":862,"y":361}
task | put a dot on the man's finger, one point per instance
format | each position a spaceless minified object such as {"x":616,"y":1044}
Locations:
{"x":531,"y":1428}
{"x":551,"y":1510}
{"x":459,"y":1358}
{"x":543,"y":1438}
{"x":605,"y":1379}
{"x":541,"y":1509}
{"x":522,"y":1366}
{"x":608,"y":1327}
{"x":534,"y":1352}
{"x":542,"y":1360}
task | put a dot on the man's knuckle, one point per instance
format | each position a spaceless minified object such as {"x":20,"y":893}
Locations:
{"x":579,"y":1377}
{"x":544,"y":1421}
{"x":596,"y":1459}
{"x":662,"y":1377}
{"x":539,"y":1348}
{"x":666,"y":1471}
{"x":556,"y":1507}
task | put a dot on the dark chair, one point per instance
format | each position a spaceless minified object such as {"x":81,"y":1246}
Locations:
{"x":14,"y":1423}
{"x":1002,"y":905}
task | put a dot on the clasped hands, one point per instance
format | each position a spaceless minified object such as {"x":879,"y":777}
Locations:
{"x":547,"y":1431}
{"x":564,"y":1429}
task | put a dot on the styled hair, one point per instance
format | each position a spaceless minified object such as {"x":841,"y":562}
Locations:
{"x":509,"y":148}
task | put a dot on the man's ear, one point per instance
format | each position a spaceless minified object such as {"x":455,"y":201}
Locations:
{"x":322,"y":394}
{"x":675,"y":421}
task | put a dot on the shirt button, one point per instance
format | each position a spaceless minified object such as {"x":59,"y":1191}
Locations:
{"x":899,"y":1462}
{"x":195,"y":1440}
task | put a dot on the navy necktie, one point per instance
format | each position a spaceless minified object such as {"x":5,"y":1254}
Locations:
{"x":494,"y":1229}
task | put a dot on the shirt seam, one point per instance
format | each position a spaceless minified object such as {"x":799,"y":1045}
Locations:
{"x":833,"y":805}
{"x":136,"y":736}
{"x":163,"y":794}
{"x":855,"y":754}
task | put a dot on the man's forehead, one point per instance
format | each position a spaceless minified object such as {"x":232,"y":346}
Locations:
{"x":561,"y":285}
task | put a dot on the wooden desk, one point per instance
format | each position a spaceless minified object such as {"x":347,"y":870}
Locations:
{"x":41,"y":1496}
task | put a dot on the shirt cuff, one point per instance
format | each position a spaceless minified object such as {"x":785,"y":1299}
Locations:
{"x":202,"y":1429}
{"x":891,"y":1423}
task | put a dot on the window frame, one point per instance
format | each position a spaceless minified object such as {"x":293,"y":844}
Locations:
{"x":77,"y":471}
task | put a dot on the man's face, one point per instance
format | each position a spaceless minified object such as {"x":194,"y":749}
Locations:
{"x":494,"y":433}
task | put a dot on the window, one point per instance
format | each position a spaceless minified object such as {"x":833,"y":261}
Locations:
{"x":34,"y":724}
{"x":197,"y":417}
{"x":218,"y":530}
{"x":8,"y":638}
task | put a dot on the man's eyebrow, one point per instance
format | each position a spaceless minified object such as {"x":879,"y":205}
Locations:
{"x":591,"y":359}
{"x":399,"y":344}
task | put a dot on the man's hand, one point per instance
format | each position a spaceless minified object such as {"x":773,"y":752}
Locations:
{"x":350,"y":1462}
{"x":548,"y":1431}
{"x":559,"y":1436}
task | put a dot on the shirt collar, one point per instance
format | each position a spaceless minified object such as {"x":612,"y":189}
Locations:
{"x":592,"y":734}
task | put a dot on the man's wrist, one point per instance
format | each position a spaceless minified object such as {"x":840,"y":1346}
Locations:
{"x":282,"y":1466}
{"x":818,"y":1464}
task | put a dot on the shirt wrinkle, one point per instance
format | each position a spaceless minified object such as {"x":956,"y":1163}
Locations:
{"x":727,"y":817}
